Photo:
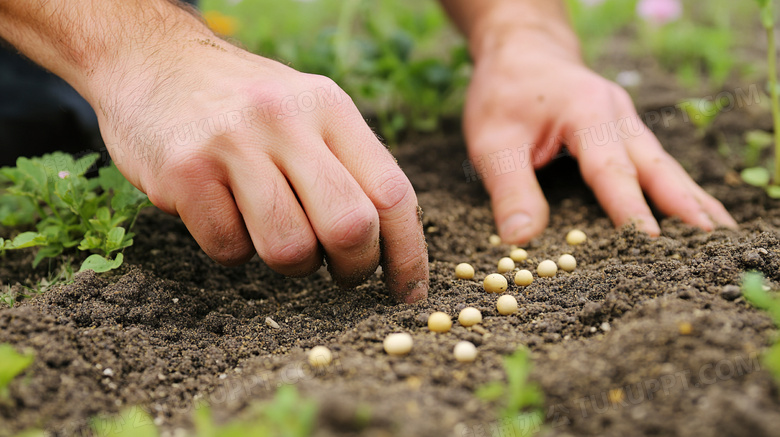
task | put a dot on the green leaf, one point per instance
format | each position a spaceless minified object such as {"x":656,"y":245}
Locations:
{"x":773,"y":191}
{"x":100,"y":264}
{"x":12,"y":364}
{"x":767,"y":17}
{"x":114,"y":239}
{"x":756,"y":176}
{"x":758,"y":139}
{"x":27,"y":239}
{"x":47,"y":252}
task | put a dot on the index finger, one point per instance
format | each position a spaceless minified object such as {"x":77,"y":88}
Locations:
{"x":404,"y":252}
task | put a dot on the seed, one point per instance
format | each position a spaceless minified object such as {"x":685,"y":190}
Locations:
{"x":546,"y":269}
{"x":575,"y":237}
{"x":439,"y":322}
{"x":398,"y":344}
{"x":469,"y":316}
{"x":495,"y":283}
{"x":567,"y":262}
{"x":506,"y":305}
{"x":494,"y":240}
{"x":465,"y":352}
{"x":464,"y":271}
{"x":524,"y":278}
{"x":518,"y":255}
{"x":320,"y":356}
{"x":505,"y":265}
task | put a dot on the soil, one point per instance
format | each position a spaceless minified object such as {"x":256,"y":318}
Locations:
{"x":647,"y":337}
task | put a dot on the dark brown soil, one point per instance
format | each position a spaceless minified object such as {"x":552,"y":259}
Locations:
{"x":646,"y":337}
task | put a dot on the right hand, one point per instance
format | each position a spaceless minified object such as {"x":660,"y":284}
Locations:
{"x":257,"y":157}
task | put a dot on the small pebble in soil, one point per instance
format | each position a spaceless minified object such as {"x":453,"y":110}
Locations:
{"x":495,"y":283}
{"x":464,"y":271}
{"x":506,"y":305}
{"x":320,"y":356}
{"x":524,"y":278}
{"x":439,"y":322}
{"x":685,"y":328}
{"x":730,"y":292}
{"x":547,"y":269}
{"x":469,"y":316}
{"x":465,"y":352}
{"x":505,"y":264}
{"x":494,"y":240}
{"x":567,"y":263}
{"x":518,"y":255}
{"x":398,"y":344}
{"x":576,"y":237}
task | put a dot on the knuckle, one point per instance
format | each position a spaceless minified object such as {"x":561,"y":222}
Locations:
{"x":289,"y":255}
{"x":353,"y":228}
{"x":394,"y":191}
{"x":609,"y":169}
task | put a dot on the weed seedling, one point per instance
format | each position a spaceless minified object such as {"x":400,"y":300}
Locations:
{"x":516,"y":396}
{"x":753,"y":290}
{"x":68,"y":209}
{"x":12,"y":363}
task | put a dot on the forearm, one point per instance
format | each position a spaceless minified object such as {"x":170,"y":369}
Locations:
{"x":86,"y":41}
{"x":488,"y":24}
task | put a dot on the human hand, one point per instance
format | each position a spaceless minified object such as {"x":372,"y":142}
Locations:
{"x":530,"y":94}
{"x":257,"y":157}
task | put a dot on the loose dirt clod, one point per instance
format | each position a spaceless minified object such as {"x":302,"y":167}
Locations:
{"x":465,"y":352}
{"x":576,"y":237}
{"x":505,"y":265}
{"x":567,"y":263}
{"x":320,"y":356}
{"x":439,"y":322}
{"x":518,"y":255}
{"x":469,"y":316}
{"x":398,"y":344}
{"x":464,"y":271}
{"x":524,"y":278}
{"x":506,"y":305}
{"x":495,"y":283}
{"x":547,"y":269}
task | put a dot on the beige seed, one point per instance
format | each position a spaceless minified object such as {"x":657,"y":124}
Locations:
{"x":320,"y":356}
{"x":567,"y":263}
{"x":464,"y":271}
{"x":505,"y":264}
{"x":546,"y":269}
{"x":398,"y":344}
{"x":506,"y":305}
{"x":575,"y":237}
{"x":524,"y":278}
{"x":518,"y":255}
{"x":469,"y":316}
{"x":494,"y":240}
{"x":495,"y":283}
{"x":465,"y":352}
{"x":439,"y":322}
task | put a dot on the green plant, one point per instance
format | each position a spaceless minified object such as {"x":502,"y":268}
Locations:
{"x":518,"y":397}
{"x":597,"y":24}
{"x":12,"y":363}
{"x":401,"y":63}
{"x":69,"y":210}
{"x":755,"y":141}
{"x":65,"y":276}
{"x":701,"y":112}
{"x":753,"y":290}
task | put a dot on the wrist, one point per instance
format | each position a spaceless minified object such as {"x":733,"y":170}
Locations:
{"x":522,"y":26}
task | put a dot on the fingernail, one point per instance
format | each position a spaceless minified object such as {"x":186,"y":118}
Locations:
{"x":512,"y":227}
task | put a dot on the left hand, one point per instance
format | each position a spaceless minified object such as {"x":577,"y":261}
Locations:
{"x":530,"y":95}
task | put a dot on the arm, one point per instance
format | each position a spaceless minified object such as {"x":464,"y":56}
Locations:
{"x":251,"y":154}
{"x":531,"y":93}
